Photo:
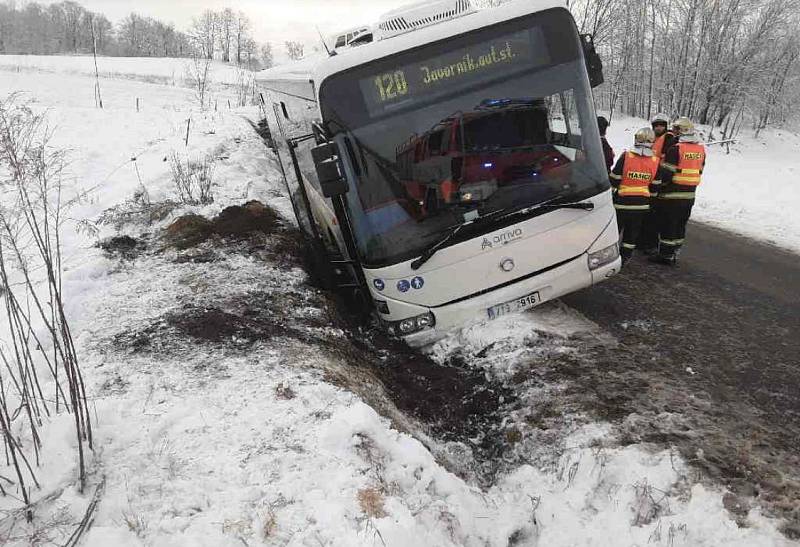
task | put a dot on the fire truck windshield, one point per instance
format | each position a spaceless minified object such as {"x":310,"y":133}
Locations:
{"x":505,"y":128}
{"x":496,"y":142}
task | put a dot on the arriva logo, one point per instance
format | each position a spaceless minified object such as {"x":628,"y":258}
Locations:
{"x":501,"y":239}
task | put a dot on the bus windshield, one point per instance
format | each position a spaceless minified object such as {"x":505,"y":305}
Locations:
{"x":495,"y":120}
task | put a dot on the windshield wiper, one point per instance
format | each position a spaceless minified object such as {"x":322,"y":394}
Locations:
{"x":496,"y":216}
{"x":430,"y":251}
{"x":583,"y":205}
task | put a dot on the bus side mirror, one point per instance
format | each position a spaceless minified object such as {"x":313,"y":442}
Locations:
{"x":594,"y":65}
{"x":331,"y":179}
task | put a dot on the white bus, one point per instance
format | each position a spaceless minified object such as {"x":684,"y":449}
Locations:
{"x":452,"y":166}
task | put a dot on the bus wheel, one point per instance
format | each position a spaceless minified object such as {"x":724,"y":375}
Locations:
{"x":360,"y":305}
{"x":319,"y":268}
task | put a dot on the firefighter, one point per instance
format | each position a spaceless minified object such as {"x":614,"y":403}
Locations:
{"x":665,"y":138}
{"x":608,"y":152}
{"x":681,"y":171}
{"x":633,"y":177}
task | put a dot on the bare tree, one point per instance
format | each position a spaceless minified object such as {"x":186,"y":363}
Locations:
{"x":226,"y":22}
{"x":294,"y":50}
{"x":266,"y":55}
{"x":198,"y":76}
{"x":205,"y":30}
{"x":242,"y":36}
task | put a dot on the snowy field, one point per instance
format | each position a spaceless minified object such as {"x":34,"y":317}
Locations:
{"x":257,"y":436}
{"x":751,"y":190}
{"x":165,"y":71}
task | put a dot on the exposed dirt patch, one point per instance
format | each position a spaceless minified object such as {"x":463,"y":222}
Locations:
{"x":454,"y":403}
{"x":235,"y":330}
{"x":188,"y":230}
{"x":239,"y":221}
{"x":124,"y":246}
{"x":215,"y":325}
{"x":459,"y":404}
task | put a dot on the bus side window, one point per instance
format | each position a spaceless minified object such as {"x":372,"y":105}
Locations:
{"x":305,"y":162}
{"x":340,"y":42}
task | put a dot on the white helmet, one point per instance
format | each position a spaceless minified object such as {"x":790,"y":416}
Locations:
{"x":684,"y":125}
{"x":660,"y":118}
{"x":644,"y":137}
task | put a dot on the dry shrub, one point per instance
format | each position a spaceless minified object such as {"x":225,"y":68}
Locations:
{"x":33,"y":212}
{"x":136,"y":211}
{"x":270,"y":524}
{"x":193,"y":178}
{"x":136,"y":523}
{"x":371,"y":502}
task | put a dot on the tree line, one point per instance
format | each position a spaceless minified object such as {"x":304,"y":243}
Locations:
{"x":69,"y":28}
{"x":726,"y":63}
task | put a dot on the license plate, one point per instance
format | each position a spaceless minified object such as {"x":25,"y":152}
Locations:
{"x":514,"y":306}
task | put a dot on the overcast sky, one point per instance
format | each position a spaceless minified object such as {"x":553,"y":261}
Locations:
{"x":273,"y":20}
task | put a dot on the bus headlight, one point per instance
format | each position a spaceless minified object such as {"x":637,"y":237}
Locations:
{"x":412,"y":324}
{"x":425,"y":320}
{"x":407,"y":326}
{"x":602,"y":257}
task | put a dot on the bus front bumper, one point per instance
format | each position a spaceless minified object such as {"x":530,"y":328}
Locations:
{"x":567,"y":278}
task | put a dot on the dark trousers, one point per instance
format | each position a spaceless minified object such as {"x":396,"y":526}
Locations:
{"x":629,"y":223}
{"x":674,"y":215}
{"x":648,"y":235}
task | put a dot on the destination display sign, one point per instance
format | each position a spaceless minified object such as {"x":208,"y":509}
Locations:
{"x":405,"y":85}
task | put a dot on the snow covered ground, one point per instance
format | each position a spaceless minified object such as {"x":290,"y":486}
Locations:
{"x":168,"y":71}
{"x":263,"y":432}
{"x":750,"y":190}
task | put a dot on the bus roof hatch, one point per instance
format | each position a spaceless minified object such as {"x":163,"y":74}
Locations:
{"x":421,"y":15}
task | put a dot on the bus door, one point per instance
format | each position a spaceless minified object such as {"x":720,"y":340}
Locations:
{"x":285,"y":148}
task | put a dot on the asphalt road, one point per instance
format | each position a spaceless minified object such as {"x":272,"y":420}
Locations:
{"x":709,"y":362}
